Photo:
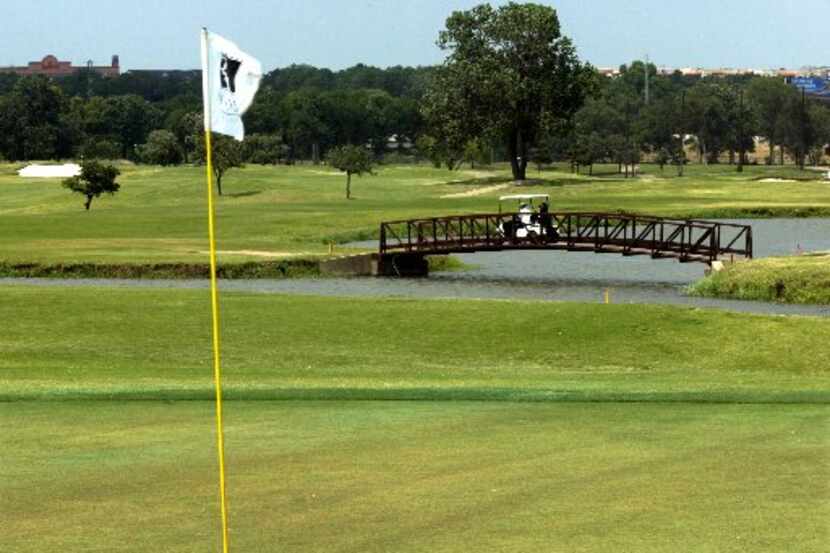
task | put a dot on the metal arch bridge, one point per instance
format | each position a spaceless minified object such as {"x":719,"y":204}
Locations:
{"x":403,"y":244}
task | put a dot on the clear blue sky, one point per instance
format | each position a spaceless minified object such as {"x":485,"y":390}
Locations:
{"x":163,"y":34}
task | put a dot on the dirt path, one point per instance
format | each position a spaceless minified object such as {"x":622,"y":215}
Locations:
{"x":477,"y":191}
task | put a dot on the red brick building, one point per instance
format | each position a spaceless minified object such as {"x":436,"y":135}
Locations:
{"x":52,"y":67}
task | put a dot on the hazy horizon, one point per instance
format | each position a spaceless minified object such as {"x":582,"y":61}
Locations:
{"x":760,"y":34}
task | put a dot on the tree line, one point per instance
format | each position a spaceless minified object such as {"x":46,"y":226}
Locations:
{"x":511,"y":89}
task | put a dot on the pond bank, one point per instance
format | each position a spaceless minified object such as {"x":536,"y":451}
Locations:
{"x":803,"y":279}
{"x":289,"y":268}
{"x":275,"y":269}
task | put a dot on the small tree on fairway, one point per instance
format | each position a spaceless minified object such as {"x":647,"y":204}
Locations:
{"x":474,"y":153}
{"x":353,"y":160}
{"x":226,"y":154}
{"x":94,"y":180}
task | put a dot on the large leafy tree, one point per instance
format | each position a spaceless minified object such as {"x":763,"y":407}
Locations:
{"x":797,"y":129}
{"x":708,"y":116}
{"x":185,"y":125}
{"x":304,"y":123}
{"x":131,"y":118}
{"x":768,"y":96}
{"x":32,"y":123}
{"x":509,"y":73}
{"x":820,"y":119}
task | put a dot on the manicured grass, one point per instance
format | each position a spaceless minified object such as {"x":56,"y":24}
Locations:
{"x":416,"y":476}
{"x":608,"y":428}
{"x":795,"y":279}
{"x":155,"y":344}
{"x":280,"y":212}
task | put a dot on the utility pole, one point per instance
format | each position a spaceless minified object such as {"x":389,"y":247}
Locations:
{"x":741,"y":131}
{"x":646,"y":68}
{"x":803,"y":147}
{"x":88,"y":79}
{"x":681,"y":154}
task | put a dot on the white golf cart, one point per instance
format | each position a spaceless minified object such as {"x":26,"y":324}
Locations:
{"x":530,"y":219}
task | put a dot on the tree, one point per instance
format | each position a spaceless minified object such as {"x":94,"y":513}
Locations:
{"x":474,"y":153}
{"x":263,"y":149}
{"x":186,"y":125}
{"x":587,"y":149}
{"x":304,"y":122}
{"x":542,"y":155}
{"x":100,"y":148}
{"x":226,"y":154}
{"x":439,"y":152}
{"x":509,"y":73}
{"x":426,"y":146}
{"x":263,"y":117}
{"x":94,"y":180}
{"x":797,"y":132}
{"x":744,"y":128}
{"x":353,"y":160}
{"x":656,"y":126}
{"x":820,"y":117}
{"x":709,"y":116}
{"x":162,"y":148}
{"x":767,"y":95}
{"x":31,"y":123}
{"x":131,"y":118}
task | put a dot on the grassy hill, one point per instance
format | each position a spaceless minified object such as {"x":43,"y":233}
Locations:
{"x":794,"y":279}
{"x":154,"y":344}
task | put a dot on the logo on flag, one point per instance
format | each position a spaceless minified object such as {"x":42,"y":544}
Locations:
{"x":230,"y":79}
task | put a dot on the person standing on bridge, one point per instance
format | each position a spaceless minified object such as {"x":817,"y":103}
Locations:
{"x":546,"y":221}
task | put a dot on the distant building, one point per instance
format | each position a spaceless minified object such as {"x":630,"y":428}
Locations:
{"x":52,"y":67}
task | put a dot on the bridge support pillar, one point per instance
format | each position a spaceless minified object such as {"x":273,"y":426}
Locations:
{"x":402,"y":265}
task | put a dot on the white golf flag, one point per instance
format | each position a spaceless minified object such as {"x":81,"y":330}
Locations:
{"x":230,"y":79}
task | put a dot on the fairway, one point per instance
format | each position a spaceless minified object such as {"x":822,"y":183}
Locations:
{"x":410,"y":425}
{"x":417,"y":476}
{"x":277,"y":212}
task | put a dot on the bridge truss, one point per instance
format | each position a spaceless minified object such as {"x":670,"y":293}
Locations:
{"x":624,"y":233}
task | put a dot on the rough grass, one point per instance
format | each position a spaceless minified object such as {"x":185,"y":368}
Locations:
{"x":155,"y":344}
{"x":286,"y":268}
{"x":159,"y":214}
{"x":797,"y":279}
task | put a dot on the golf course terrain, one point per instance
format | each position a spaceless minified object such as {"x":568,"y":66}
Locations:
{"x":373,"y":425}
{"x":793,"y":279}
{"x":279,"y":212}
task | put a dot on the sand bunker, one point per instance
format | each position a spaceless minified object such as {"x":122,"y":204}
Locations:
{"x":50,"y":171}
{"x":777,"y":180}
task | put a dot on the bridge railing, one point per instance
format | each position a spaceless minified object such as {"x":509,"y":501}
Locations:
{"x":629,"y":234}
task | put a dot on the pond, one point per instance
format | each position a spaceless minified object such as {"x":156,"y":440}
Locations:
{"x":548,"y":275}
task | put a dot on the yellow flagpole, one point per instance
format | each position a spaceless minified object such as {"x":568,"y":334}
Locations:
{"x":214,"y":296}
